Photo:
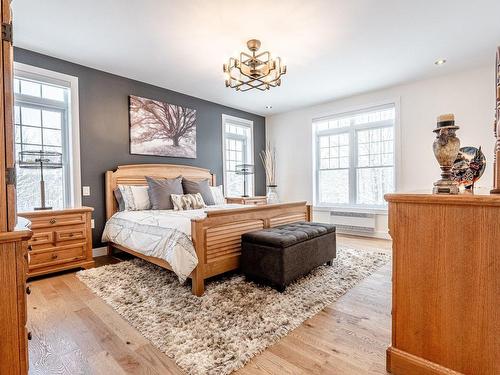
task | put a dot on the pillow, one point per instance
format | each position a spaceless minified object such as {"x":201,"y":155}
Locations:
{"x":119,"y":199}
{"x":218,"y":194}
{"x":202,"y":187}
{"x":135,"y":198}
{"x":160,"y":190}
{"x":187,"y":201}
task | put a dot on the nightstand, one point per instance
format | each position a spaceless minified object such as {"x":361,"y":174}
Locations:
{"x":62,"y":239}
{"x":257,"y":201}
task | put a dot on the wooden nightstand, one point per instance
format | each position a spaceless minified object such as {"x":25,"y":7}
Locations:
{"x":259,"y":200}
{"x":62,"y":239}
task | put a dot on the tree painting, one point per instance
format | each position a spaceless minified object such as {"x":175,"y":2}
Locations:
{"x":161,"y":129}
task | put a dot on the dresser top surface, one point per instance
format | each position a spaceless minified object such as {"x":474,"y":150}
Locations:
{"x":55,"y":212}
{"x":478,"y":197}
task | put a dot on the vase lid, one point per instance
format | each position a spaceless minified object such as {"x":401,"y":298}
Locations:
{"x":446,"y":121}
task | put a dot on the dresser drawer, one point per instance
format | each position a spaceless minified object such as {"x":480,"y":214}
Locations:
{"x":70,"y":234}
{"x":61,"y":254}
{"x":48,"y":221}
{"x":41,"y":238}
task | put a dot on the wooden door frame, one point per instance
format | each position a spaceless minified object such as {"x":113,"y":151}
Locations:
{"x":7,"y":163}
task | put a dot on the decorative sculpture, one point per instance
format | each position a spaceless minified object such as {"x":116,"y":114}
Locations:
{"x":446,"y":147}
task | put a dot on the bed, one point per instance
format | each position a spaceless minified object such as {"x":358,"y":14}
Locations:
{"x":215,"y":233}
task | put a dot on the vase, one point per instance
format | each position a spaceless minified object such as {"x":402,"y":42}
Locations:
{"x":272,"y":194}
{"x":446,"y":147}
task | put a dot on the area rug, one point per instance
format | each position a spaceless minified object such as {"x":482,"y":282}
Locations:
{"x":234,"y":320}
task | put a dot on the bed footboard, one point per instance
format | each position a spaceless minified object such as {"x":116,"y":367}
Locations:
{"x":217,"y":238}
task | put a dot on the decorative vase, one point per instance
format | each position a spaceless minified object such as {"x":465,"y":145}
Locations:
{"x":446,"y":147}
{"x":272,"y":194}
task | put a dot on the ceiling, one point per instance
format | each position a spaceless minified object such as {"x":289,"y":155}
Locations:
{"x":333,"y":48}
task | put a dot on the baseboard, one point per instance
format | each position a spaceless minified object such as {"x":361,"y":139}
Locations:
{"x":378,"y":234}
{"x":403,"y":363}
{"x":99,"y":251}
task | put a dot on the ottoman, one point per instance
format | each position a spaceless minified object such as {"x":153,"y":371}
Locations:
{"x":282,"y":254}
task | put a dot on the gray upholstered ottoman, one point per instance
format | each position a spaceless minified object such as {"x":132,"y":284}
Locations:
{"x":282,"y":254}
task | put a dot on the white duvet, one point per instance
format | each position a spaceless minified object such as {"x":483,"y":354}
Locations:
{"x":164,"y":234}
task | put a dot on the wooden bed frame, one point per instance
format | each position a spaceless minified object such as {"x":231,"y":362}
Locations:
{"x":217,"y":238}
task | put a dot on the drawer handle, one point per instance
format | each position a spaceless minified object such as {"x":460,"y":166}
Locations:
{"x":71,"y":234}
{"x":52,"y":221}
{"x":54,"y":256}
{"x":28,"y":290}
{"x":30,"y":247}
{"x":29,"y":336}
{"x":35,"y":239}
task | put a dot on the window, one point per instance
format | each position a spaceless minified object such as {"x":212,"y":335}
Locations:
{"x":44,"y":121}
{"x":354,"y":157}
{"x":237,"y":138}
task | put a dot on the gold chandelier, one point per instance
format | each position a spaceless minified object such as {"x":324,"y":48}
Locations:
{"x":254,"y":71}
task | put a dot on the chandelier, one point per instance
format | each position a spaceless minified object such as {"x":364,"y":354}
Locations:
{"x":254,"y":71}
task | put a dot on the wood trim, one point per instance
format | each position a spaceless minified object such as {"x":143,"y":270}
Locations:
{"x":134,"y":174}
{"x":7,"y":192}
{"x":8,"y":78}
{"x":403,"y":363}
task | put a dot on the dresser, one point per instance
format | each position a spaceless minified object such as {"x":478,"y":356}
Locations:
{"x":62,"y":239}
{"x":13,"y":293}
{"x":446,"y":284}
{"x":258,"y":200}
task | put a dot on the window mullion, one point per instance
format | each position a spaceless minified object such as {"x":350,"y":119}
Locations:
{"x":352,"y":167}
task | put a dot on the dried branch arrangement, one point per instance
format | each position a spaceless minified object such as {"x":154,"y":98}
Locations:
{"x":268,"y":157}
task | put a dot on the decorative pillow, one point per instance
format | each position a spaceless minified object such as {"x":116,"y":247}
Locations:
{"x":135,"y":198}
{"x":119,"y":199}
{"x":218,"y":194}
{"x":187,"y":201}
{"x":202,"y":187}
{"x":160,"y":190}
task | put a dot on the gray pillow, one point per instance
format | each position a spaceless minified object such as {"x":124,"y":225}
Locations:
{"x":119,"y":199}
{"x":202,"y":187}
{"x":160,"y":190}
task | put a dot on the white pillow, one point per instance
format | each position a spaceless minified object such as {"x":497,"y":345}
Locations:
{"x":218,"y":194}
{"x":136,"y":198}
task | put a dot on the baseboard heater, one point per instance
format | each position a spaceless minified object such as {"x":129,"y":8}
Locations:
{"x":353,"y":222}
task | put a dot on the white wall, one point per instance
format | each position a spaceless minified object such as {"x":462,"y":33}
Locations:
{"x":470,"y":95}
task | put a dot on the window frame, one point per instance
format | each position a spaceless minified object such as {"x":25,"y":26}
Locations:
{"x":250,"y":150}
{"x":353,"y":153}
{"x":70,"y":133}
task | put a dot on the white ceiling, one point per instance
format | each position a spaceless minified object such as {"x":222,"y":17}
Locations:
{"x":333,"y":48}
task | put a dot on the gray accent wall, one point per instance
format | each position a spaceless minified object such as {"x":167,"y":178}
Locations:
{"x":104,"y":127}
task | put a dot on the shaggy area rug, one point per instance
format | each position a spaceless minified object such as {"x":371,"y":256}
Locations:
{"x":234,"y":320}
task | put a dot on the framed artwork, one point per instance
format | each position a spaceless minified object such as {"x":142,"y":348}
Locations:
{"x":161,"y":129}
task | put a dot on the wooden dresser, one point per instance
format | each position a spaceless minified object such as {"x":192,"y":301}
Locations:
{"x":446,"y":284}
{"x":258,"y":200}
{"x":13,"y":292}
{"x":62,"y":239}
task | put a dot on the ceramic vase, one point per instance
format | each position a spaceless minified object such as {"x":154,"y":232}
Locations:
{"x":446,"y":147}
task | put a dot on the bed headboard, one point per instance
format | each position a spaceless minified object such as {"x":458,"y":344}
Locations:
{"x":135,"y":174}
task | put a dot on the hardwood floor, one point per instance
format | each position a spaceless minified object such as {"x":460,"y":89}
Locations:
{"x":75,"y":332}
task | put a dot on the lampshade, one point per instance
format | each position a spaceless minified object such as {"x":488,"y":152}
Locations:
{"x":244,"y":169}
{"x":33,"y":159}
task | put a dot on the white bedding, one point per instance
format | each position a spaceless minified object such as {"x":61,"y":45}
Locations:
{"x":164,"y":234}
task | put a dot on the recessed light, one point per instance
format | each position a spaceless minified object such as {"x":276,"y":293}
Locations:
{"x":440,"y":62}
{"x":269,"y":106}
